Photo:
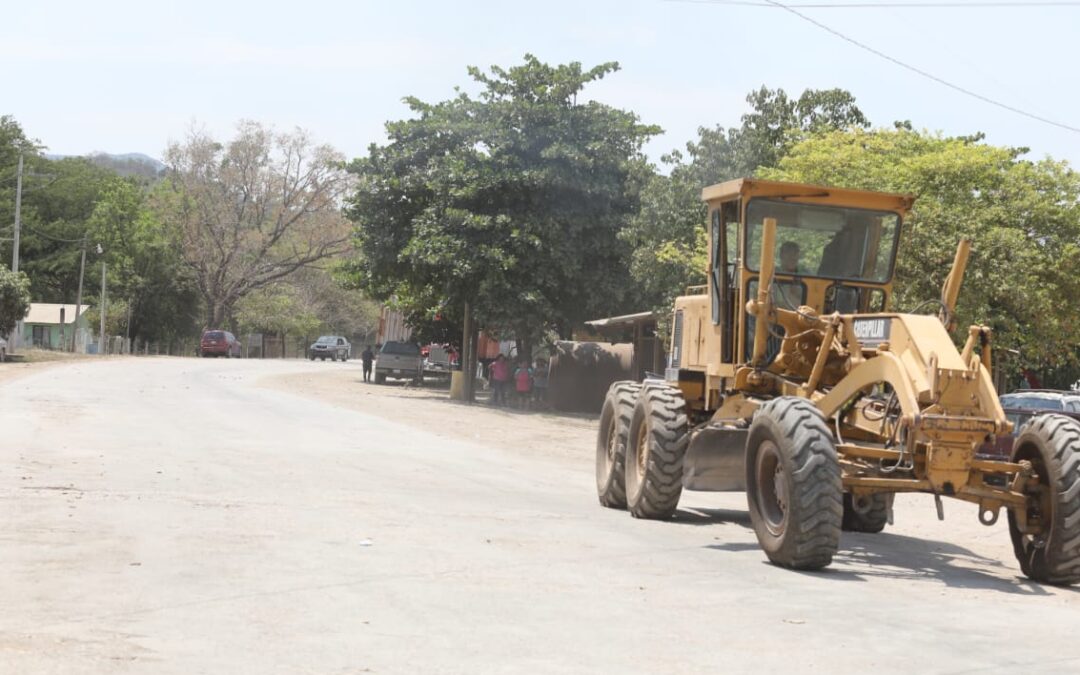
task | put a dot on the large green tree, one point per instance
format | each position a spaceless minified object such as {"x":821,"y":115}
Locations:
{"x":510,"y":200}
{"x":668,"y":234}
{"x":145,"y":270}
{"x":1022,"y":216}
{"x":13,"y":142}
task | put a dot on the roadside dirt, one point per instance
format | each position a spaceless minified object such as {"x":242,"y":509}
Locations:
{"x":12,"y":370}
{"x":29,"y":361}
{"x":535,"y":433}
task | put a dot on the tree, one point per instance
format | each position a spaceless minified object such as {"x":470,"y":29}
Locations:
{"x":13,"y":141}
{"x":668,"y":235}
{"x":510,"y":201}
{"x":1022,"y":216}
{"x":58,"y":199}
{"x":251,"y":212}
{"x":14,"y":299}
{"x":310,"y":301}
{"x":145,"y":270}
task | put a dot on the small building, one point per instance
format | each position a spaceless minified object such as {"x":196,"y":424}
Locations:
{"x":50,"y":326}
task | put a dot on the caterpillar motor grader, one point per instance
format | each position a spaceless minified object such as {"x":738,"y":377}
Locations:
{"x":790,"y":379}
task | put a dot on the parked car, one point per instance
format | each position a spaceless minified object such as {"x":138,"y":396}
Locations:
{"x":1025,"y":405}
{"x":1042,"y":399}
{"x":333,"y":347}
{"x":401,"y":360}
{"x":220,"y":343}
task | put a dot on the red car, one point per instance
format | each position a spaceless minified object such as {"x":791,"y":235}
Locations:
{"x":220,"y":343}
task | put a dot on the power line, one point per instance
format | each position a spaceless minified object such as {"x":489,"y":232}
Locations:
{"x":884,"y":5}
{"x":919,"y":71}
{"x":50,"y":237}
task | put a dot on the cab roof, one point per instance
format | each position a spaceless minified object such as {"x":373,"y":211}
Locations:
{"x":747,"y":188}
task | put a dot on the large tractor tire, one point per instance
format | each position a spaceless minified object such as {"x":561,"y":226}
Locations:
{"x":1052,"y":444}
{"x":793,"y":484}
{"x":611,"y":442}
{"x":659,"y":434}
{"x":869,"y":515}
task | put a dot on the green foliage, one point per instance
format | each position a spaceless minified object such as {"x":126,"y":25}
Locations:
{"x":144,"y":269}
{"x":1022,"y":217}
{"x":668,"y":235}
{"x":511,"y":200}
{"x":14,"y":298}
{"x":58,"y":199}
{"x":12,"y":140}
{"x":311,"y":302}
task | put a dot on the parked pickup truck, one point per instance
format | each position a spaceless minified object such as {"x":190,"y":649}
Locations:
{"x":400,"y":360}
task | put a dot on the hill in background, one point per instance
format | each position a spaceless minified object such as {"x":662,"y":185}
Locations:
{"x":126,"y":164}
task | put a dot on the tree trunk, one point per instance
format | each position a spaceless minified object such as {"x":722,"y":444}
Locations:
{"x":215,"y":315}
{"x":527,"y":347}
{"x":468,"y":356}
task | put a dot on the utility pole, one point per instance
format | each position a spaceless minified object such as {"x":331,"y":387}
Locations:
{"x":17,"y":337}
{"x":468,"y":360}
{"x":18,"y":216}
{"x":101,"y":338}
{"x":78,"y":297}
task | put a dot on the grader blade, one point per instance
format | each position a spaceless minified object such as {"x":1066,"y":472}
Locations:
{"x":716,"y":460}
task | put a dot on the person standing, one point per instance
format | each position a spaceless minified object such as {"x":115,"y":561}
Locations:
{"x":500,"y":380}
{"x":368,"y":357}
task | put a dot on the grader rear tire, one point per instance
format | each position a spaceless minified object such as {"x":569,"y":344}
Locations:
{"x":659,"y":434}
{"x":793,"y":484}
{"x":611,"y":443}
{"x":1052,"y":444}
{"x":871,"y":520}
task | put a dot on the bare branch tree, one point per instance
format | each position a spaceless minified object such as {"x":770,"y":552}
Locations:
{"x":253,"y":211}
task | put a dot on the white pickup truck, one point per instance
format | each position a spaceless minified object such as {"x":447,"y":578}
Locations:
{"x":401,"y":360}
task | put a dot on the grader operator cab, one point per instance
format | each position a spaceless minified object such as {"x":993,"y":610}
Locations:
{"x":789,"y":378}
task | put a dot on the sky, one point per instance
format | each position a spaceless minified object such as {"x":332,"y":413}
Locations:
{"x":133,"y":76}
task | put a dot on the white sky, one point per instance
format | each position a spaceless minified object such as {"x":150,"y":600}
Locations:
{"x":130,"y":76}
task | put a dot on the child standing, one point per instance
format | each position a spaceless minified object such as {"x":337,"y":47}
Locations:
{"x":523,"y":380}
{"x":540,"y":382}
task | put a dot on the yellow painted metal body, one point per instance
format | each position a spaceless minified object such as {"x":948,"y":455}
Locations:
{"x":909,"y":409}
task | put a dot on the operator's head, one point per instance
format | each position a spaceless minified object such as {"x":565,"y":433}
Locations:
{"x":789,"y":257}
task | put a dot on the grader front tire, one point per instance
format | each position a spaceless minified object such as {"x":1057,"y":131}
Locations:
{"x":611,"y":441}
{"x":794,"y":488}
{"x":1052,"y":444}
{"x":659,"y":434}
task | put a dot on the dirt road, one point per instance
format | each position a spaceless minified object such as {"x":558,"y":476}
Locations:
{"x":183,"y":516}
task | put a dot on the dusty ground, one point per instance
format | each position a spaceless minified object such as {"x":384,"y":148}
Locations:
{"x":536,"y":433}
{"x":28,"y":361}
{"x":183,"y":516}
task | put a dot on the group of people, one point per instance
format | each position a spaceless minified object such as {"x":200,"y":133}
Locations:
{"x":519,"y":386}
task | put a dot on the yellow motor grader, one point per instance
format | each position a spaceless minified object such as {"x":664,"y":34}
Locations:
{"x":789,"y":378}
